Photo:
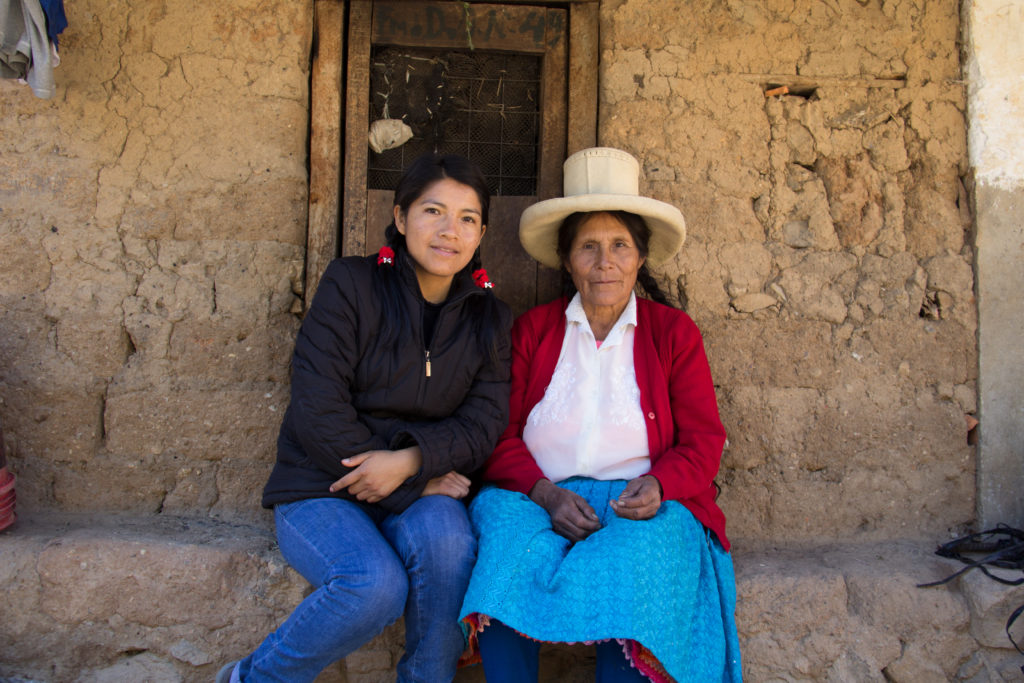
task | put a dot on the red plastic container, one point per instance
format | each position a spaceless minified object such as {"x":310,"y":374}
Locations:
{"x":7,"y":517}
{"x":7,"y":499}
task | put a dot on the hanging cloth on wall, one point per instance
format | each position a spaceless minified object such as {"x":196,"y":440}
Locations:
{"x":55,"y":19}
{"x":27,"y":51}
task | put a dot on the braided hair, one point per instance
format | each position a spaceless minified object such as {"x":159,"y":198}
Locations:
{"x":638,"y":230}
{"x":483,"y":312}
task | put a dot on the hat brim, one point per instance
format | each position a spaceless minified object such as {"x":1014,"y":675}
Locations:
{"x":539,"y":224}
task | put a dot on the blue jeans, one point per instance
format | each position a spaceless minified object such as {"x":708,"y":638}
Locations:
{"x":368,"y":568}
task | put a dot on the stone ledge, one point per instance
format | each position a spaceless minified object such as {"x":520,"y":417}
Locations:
{"x":94,"y":597}
{"x":853,"y":612}
{"x":102,"y":598}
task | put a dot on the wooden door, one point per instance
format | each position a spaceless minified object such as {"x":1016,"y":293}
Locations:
{"x":451,"y":33}
{"x":424,"y":43}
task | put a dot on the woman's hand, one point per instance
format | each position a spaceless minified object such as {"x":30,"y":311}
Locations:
{"x":378,"y":473}
{"x":571,"y":515}
{"x":453,"y":485}
{"x":640,"y":499}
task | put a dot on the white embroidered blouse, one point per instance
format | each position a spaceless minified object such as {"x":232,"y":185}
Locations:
{"x":589,"y":422}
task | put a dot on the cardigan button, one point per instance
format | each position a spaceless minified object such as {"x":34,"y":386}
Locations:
{"x":650,"y":415}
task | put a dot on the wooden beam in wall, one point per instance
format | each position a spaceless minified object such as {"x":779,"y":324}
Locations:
{"x":810,"y":82}
{"x":553,"y":117}
{"x":550,"y":2}
{"x":357,"y":125}
{"x":460,"y":26}
{"x":583,"y":48}
{"x":324,"y":141}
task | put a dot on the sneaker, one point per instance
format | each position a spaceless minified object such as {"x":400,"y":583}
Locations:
{"x":224,"y":675}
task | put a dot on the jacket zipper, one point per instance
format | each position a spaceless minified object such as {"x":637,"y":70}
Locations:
{"x":426,"y":351}
{"x":448,"y":305}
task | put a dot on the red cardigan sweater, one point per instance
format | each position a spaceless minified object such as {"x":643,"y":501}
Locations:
{"x":684,"y":432}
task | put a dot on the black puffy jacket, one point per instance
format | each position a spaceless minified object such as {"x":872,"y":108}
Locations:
{"x":350,"y":394}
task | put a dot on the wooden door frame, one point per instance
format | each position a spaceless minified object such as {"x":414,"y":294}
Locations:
{"x":333,"y":154}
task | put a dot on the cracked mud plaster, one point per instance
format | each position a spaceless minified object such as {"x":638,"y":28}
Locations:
{"x":152,"y":230}
{"x":828,"y":258}
{"x":828,"y":261}
{"x":155,"y":218}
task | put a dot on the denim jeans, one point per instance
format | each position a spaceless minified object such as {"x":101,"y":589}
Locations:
{"x":368,"y":568}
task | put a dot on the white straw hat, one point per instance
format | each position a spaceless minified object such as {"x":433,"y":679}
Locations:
{"x":600,"y":179}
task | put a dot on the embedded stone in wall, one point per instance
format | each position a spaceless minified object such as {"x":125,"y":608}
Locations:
{"x":803,"y":218}
{"x":143,"y":667}
{"x":749,"y":266}
{"x":991,"y":604}
{"x":756,"y":301}
{"x":855,"y":199}
{"x":819,"y":286}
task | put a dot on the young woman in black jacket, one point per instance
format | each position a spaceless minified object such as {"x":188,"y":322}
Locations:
{"x":399,"y":392}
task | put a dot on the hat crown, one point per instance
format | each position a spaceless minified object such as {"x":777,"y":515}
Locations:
{"x":601,"y":170}
{"x":594,"y":180}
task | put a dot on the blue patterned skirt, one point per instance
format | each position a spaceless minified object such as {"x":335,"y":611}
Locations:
{"x":663,"y":587}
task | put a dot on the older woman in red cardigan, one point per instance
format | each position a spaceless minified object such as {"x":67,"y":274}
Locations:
{"x":599,"y":523}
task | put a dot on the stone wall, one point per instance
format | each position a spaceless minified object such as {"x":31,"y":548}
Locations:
{"x":829,"y":257}
{"x":151,"y":256}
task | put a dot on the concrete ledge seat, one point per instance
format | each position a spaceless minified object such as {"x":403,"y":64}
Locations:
{"x":111,"y":598}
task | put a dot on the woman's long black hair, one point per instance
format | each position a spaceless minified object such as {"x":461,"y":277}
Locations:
{"x":482,"y":310}
{"x":641,"y":235}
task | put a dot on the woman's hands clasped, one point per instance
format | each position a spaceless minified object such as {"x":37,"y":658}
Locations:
{"x":378,"y":473}
{"x":453,"y":485}
{"x":573,"y":518}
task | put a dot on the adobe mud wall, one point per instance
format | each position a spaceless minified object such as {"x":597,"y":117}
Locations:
{"x":151,"y":256}
{"x":153,"y":232}
{"x":152,"y":240}
{"x":829,"y":257}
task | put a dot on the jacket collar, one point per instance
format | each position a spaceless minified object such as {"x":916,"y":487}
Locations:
{"x":462,"y":284}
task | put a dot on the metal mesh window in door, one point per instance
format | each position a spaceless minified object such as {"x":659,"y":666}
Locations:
{"x":485,"y":106}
